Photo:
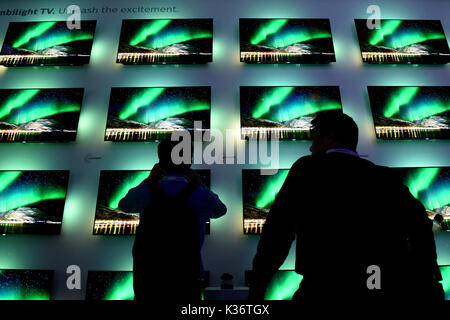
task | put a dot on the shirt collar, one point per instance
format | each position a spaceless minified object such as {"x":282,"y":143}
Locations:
{"x":343,"y":150}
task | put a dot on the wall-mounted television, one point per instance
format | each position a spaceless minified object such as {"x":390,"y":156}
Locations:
{"x":282,"y":286}
{"x":403,"y":41}
{"x":146,"y":114}
{"x":285,"y":112}
{"x":113,"y":187}
{"x":431,"y":186}
{"x":25,"y":284}
{"x":286,"y":41}
{"x":166,"y":41}
{"x":47,"y":43}
{"x":410,"y":112}
{"x":39,"y":115}
{"x":32,"y":202}
{"x":259,"y":191}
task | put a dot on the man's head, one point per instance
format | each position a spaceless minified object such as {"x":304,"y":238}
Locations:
{"x":333,"y":130}
{"x":165,"y":148}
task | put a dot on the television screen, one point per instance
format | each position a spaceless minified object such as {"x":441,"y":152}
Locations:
{"x":113,"y":187}
{"x":32,"y":201}
{"x":445,"y":273}
{"x":110,"y":285}
{"x":145,"y":114}
{"x":282,"y":286}
{"x":411,"y":112}
{"x":161,"y":41}
{"x":259,"y":191}
{"x":25,"y":284}
{"x":432,"y":187}
{"x":286,"y":41}
{"x":403,"y":41}
{"x":47,"y":43}
{"x":285,"y":112}
{"x":39,"y":115}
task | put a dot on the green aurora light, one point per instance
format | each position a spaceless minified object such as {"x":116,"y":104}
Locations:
{"x":176,"y":37}
{"x":146,"y":97}
{"x":17,"y":101}
{"x":33,"y":32}
{"x":271,"y":189}
{"x":388,"y":27}
{"x":131,"y":182}
{"x":7,"y":178}
{"x":42,"y":111}
{"x":271,"y":27}
{"x":122,"y":288}
{"x":149,"y":30}
{"x":273,"y":98}
{"x":403,"y":97}
{"x":28,"y":196}
{"x":168,"y":110}
{"x":296,"y":37}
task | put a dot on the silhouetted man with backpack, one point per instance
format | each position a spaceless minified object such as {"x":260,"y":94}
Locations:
{"x":175,"y":206}
{"x":351,"y":218}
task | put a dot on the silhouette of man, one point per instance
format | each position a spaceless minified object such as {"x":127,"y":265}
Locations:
{"x":175,"y":206}
{"x":357,"y":204}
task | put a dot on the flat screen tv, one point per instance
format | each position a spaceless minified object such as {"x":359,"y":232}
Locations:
{"x":39,"y":115}
{"x":47,"y":43}
{"x":410,"y":112}
{"x":403,"y":41}
{"x":113,"y":187}
{"x":25,"y":284}
{"x":146,"y":114}
{"x":259,"y":191}
{"x":32,"y":202}
{"x":285,"y":112}
{"x":166,"y":41}
{"x":432,"y":187}
{"x":286,"y":41}
{"x":282,"y":286}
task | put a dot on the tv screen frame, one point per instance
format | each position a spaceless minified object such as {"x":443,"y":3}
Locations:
{"x":9,"y":135}
{"x":46,"y":280}
{"x":142,"y":133}
{"x":252,"y":57}
{"x":124,"y":59}
{"x":8,"y":60}
{"x":401,"y":57}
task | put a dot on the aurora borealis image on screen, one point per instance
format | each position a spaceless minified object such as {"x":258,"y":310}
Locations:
{"x":284,"y":112}
{"x":145,"y":114}
{"x":259,"y":191}
{"x":403,"y":41}
{"x":113,"y":187}
{"x":47,"y":43}
{"x":166,"y":41}
{"x":39,"y":115}
{"x":286,"y":41}
{"x":25,"y":284}
{"x":32,"y":201}
{"x":110,"y":285}
{"x":410,"y":112}
{"x":431,"y":186}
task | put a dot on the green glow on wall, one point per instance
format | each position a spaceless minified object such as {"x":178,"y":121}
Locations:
{"x":16,"y":101}
{"x":275,"y":97}
{"x":440,"y":197}
{"x":388,"y":27}
{"x":421,"y":179}
{"x":168,"y":110}
{"x":149,"y":30}
{"x":304,"y":108}
{"x":283,"y":285}
{"x":41,"y":112}
{"x":28,"y":196}
{"x":297,"y":37}
{"x":146,"y":97}
{"x":33,"y":32}
{"x":403,"y":97}
{"x":122,"y":289}
{"x":271,"y":189}
{"x":176,"y":37}
{"x":409,"y":38}
{"x":57,"y":40}
{"x":425,"y":109}
{"x":445,"y":272}
{"x":7,"y":178}
{"x":133,"y":181}
{"x":271,"y":27}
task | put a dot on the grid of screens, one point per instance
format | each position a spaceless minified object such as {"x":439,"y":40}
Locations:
{"x":47,"y":43}
{"x":32,"y":201}
{"x":113,"y":187}
{"x":144,"y":114}
{"x":25,"y":284}
{"x":411,"y":112}
{"x":286,"y":41}
{"x":403,"y":41}
{"x":259,"y":191}
{"x":284,"y":112}
{"x":432,"y":187}
{"x":161,"y":41}
{"x":39,"y":115}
